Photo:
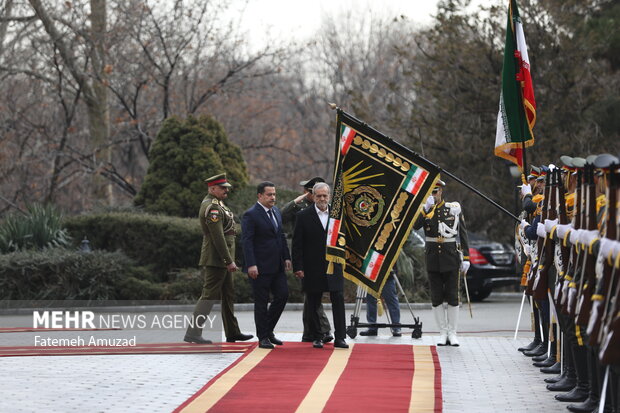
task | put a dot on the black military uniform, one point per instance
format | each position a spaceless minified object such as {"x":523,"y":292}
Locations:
{"x":216,"y":264}
{"x":443,"y":225}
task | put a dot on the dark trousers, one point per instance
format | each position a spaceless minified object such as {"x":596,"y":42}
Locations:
{"x":266,"y":315}
{"x":337,"y":299}
{"x":444,"y":287}
{"x":307,"y":316}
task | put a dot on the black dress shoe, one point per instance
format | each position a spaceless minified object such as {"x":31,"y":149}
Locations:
{"x":548,"y":362}
{"x":196,"y":339}
{"x":553,"y":369}
{"x":540,"y":358}
{"x":539,"y":350}
{"x":368,"y":332}
{"x":275,"y":341}
{"x":340,"y":343}
{"x":327,"y":337}
{"x":565,"y":384}
{"x":396,"y":333}
{"x":588,"y":406}
{"x":578,"y":394}
{"x":239,"y":337}
{"x":265,"y":343}
{"x":556,"y":378}
{"x":317,"y":344}
{"x":530,"y":346}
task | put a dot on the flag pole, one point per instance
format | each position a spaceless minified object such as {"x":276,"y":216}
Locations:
{"x":333,"y":106}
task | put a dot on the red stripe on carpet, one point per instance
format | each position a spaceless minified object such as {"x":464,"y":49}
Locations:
{"x":438,"y":392}
{"x":214,"y":379}
{"x":150,"y":348}
{"x":31,"y":329}
{"x":377,"y":378}
{"x":279,"y":382}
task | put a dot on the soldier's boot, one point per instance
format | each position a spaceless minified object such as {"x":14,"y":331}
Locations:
{"x":581,"y":391}
{"x":568,"y":379}
{"x":592,"y":402}
{"x":552,"y":355}
{"x":537,"y":339}
{"x":440,"y":319}
{"x":539,"y":353}
{"x":566,"y":359}
{"x":194,"y":330}
{"x":453,"y":321}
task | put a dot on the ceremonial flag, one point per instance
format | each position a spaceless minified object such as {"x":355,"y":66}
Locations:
{"x":517,"y":106}
{"x":379,"y":189}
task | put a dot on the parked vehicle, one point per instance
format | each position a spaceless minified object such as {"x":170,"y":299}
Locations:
{"x":492,"y":265}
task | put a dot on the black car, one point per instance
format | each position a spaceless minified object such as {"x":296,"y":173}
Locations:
{"x":492,"y":265}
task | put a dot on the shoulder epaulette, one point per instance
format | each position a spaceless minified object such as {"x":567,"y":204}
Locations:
{"x":215,"y":201}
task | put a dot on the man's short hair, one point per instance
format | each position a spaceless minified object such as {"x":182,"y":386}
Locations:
{"x":320,"y":185}
{"x":260,"y":188}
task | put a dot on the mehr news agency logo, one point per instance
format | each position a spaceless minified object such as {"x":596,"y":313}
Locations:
{"x":88,"y":320}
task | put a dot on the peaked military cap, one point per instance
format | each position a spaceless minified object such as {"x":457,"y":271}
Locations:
{"x":438,"y":185}
{"x":605,"y":161}
{"x":218,"y":180}
{"x":309,"y":184}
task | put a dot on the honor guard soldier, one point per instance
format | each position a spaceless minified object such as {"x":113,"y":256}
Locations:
{"x":217,"y":263}
{"x":444,"y":225}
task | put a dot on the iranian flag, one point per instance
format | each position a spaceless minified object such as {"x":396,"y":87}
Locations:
{"x":332,"y":232}
{"x":372,"y":264}
{"x":414,"y":179}
{"x":346,"y":137}
{"x":517,"y":107}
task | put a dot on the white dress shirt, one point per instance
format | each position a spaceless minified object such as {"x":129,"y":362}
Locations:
{"x":323,"y":216}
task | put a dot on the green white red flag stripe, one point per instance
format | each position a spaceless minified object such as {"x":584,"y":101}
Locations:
{"x":372,"y":264}
{"x":517,"y":106}
{"x":346,"y":137}
{"x":332,"y":232}
{"x":414,"y":180}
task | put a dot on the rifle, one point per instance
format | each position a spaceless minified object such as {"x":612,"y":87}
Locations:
{"x":610,"y":344}
{"x":540,"y":243}
{"x":604,"y":283}
{"x":575,"y":252}
{"x":562,"y":252}
{"x":541,"y":282}
{"x":588,"y":285}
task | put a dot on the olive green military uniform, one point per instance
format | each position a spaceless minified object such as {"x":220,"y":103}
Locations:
{"x":218,"y":251}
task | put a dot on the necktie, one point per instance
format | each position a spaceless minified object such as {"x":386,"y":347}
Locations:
{"x":272,"y":219}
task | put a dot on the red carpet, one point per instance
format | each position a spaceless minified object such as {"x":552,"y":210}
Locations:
{"x":299,"y":378}
{"x":155,"y":348}
{"x":38,"y":329}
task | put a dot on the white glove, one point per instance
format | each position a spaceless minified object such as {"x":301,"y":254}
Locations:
{"x":429,"y":203}
{"x":464,"y":267}
{"x":526,"y":189}
{"x":540,"y":230}
{"x":455,"y":209}
{"x":524,"y":224}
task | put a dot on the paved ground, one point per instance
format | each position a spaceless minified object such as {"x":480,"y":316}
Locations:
{"x":484,"y":374}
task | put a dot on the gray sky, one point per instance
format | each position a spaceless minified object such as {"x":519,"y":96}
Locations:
{"x":298,"y":19}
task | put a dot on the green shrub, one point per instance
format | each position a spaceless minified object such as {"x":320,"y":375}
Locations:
{"x":60,"y":274}
{"x":41,"y":227}
{"x":160,"y":243}
{"x":185,"y":152}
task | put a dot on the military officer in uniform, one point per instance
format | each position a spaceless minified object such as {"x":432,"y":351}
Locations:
{"x":289,"y":211}
{"x":217,"y":263}
{"x":443,"y":225}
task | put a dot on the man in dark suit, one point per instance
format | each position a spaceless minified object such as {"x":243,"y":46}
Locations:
{"x":310,"y":265}
{"x":266,"y":258}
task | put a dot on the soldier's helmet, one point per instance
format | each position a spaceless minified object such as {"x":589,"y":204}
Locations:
{"x":219,"y":179}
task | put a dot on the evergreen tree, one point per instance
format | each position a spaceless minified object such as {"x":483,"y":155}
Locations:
{"x":185,"y":152}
